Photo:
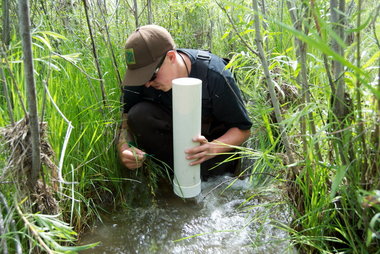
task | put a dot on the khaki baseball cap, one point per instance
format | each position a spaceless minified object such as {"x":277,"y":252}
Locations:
{"x":144,"y":50}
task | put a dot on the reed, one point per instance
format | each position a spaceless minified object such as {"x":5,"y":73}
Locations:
{"x":333,"y":183}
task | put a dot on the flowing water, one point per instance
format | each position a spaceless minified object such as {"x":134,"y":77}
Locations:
{"x":239,"y":219}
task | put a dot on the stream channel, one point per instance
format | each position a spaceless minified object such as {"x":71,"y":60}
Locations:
{"x":238,"y":219}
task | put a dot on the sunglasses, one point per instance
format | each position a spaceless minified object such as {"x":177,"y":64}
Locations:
{"x":154,"y":76}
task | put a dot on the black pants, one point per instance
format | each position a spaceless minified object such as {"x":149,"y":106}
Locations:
{"x":151,"y":125}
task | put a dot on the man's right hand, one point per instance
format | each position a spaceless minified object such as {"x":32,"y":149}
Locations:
{"x":131,"y":157}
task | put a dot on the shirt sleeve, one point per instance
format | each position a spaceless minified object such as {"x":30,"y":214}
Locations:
{"x":228,"y":106}
{"x":131,"y":96}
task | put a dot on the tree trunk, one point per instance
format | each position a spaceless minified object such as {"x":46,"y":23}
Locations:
{"x":31,"y":91}
{"x":6,"y":94}
{"x":375,"y":138}
{"x":301,"y":59}
{"x":275,"y":102}
{"x":150,"y":12}
{"x":136,"y":13}
{"x":337,"y":20}
{"x":265,"y":25}
{"x":6,"y":36}
{"x":13,"y":79}
{"x":94,"y":52}
{"x":302,"y":79}
{"x":338,"y":98}
{"x":209,"y":35}
{"x":359,"y":117}
{"x":109,"y":43}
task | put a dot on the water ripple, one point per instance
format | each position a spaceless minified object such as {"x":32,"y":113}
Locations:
{"x":218,"y":221}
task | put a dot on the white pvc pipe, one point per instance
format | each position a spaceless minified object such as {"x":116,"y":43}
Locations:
{"x":187,"y":103}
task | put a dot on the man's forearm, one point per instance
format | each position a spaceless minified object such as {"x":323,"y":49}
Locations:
{"x":124,"y":136}
{"x":233,"y":136}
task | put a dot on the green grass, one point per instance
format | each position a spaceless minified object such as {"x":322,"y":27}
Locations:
{"x":335,"y":205}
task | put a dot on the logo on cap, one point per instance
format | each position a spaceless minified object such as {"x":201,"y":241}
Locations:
{"x":130,"y":56}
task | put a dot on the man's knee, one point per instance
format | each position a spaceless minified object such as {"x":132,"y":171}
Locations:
{"x":151,"y":126}
{"x":138,"y":115}
{"x":149,"y":116}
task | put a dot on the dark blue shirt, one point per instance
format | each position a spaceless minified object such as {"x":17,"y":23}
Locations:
{"x":221,"y":98}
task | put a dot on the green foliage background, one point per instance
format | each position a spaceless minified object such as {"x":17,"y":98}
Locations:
{"x":336,"y":204}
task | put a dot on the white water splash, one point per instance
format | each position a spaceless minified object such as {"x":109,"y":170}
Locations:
{"x":218,"y":221}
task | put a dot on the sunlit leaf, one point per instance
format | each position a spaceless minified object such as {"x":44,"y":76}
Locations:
{"x":375,"y":57}
{"x":337,"y":180}
{"x":43,"y":40}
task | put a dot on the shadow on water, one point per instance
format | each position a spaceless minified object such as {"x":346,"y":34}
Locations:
{"x":239,"y":219}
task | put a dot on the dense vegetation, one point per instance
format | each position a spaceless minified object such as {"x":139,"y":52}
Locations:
{"x":309,"y":71}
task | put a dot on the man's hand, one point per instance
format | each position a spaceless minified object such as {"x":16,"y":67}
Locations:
{"x":203,"y":152}
{"x":207,"y":150}
{"x":131,"y":157}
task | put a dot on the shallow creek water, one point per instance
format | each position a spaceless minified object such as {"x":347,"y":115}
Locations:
{"x":239,"y":219}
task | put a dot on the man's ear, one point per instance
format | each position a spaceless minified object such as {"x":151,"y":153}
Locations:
{"x":171,"y":55}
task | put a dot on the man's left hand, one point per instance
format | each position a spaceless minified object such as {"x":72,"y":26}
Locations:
{"x":201,"y":153}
